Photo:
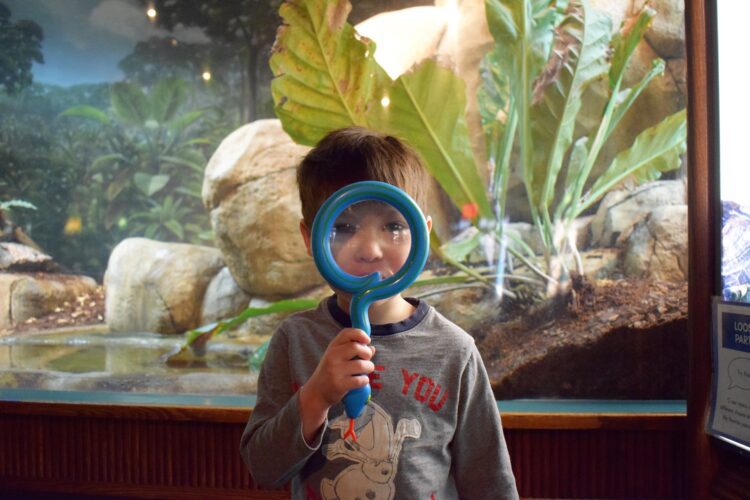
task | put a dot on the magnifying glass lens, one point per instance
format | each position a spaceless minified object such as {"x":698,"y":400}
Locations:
{"x":370,"y":236}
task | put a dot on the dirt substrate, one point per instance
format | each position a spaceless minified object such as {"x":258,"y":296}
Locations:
{"x":613,"y":339}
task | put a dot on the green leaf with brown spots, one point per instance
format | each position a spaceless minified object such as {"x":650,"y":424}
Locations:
{"x":325,"y":73}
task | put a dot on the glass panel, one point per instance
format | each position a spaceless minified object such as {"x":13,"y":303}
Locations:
{"x":150,"y":215}
{"x":734,"y":175}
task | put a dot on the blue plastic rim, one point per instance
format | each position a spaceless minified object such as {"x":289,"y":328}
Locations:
{"x":368,"y":289}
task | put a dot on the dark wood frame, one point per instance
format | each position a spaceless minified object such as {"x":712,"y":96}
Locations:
{"x":713,"y":470}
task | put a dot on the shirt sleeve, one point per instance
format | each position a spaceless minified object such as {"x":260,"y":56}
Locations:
{"x":480,"y":460}
{"x":272,"y":445}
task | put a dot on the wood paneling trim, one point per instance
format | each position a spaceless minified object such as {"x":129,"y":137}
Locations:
{"x":511,"y":420}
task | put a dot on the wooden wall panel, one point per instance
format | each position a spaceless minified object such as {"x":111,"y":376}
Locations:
{"x":193,"y":453}
{"x":598,"y":463}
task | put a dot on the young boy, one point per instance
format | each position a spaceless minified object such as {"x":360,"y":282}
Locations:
{"x":432,"y":428}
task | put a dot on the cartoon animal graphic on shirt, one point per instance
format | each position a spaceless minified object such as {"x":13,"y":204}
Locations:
{"x":375,"y":456}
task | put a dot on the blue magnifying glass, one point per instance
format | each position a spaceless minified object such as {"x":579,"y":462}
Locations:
{"x":369,"y":288}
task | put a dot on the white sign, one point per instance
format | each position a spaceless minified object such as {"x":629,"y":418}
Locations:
{"x":730,"y":394}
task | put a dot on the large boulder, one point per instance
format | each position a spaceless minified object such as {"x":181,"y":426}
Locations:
{"x":157,"y":287}
{"x":621,"y":209}
{"x":657,"y":246}
{"x":26,"y":296}
{"x":250,"y":189}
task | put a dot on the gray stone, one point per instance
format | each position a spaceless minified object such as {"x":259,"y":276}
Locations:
{"x":621,"y":209}
{"x":224,"y":298}
{"x":157,"y":287}
{"x":667,"y":31}
{"x":25,"y":296}
{"x":657,"y":246}
{"x":16,"y":257}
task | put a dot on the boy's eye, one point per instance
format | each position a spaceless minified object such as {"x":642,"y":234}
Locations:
{"x":396,"y":227}
{"x":344,"y":228}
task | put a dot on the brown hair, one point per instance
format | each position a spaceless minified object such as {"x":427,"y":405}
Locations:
{"x":356,"y":154}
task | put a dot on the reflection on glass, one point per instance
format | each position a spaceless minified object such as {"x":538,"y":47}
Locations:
{"x":368,"y":237}
{"x":735,"y":174}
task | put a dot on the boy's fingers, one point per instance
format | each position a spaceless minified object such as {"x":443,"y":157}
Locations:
{"x":360,"y":366}
{"x":352,"y":335}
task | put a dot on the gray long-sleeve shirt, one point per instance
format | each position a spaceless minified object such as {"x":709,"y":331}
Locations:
{"x":431,"y":430}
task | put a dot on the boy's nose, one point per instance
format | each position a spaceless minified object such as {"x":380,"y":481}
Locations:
{"x":368,"y":247}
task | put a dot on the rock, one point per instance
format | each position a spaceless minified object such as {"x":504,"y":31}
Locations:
{"x":621,"y":209}
{"x":26,"y":296}
{"x":667,"y":31}
{"x":157,"y":287}
{"x":224,"y":298}
{"x":15,"y":257}
{"x":250,"y":189}
{"x":466,"y":307}
{"x":405,"y":37}
{"x":657,"y":246}
{"x":598,"y":263}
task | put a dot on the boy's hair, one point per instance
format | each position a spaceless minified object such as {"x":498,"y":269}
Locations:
{"x":356,"y":154}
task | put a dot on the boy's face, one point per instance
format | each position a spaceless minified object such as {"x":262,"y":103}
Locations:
{"x":368,"y":236}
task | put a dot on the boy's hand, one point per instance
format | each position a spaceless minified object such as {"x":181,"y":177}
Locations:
{"x":344,"y":366}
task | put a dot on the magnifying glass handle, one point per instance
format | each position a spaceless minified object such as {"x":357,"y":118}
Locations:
{"x":356,"y":399}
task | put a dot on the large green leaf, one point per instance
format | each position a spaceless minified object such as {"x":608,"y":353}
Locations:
{"x":180,"y":123}
{"x":150,"y":184}
{"x":654,"y":151}
{"x":426,"y":108}
{"x":325,"y":73}
{"x":197,"y":339}
{"x":166,"y":98}
{"x":579,"y":57}
{"x":88,"y":112}
{"x":628,"y":96}
{"x":129,"y":103}
{"x":625,"y":42}
{"x":523,"y":33}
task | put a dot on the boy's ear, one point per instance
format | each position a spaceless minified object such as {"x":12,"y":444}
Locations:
{"x":306,"y":235}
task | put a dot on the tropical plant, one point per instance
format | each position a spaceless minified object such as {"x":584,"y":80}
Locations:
{"x":327,"y":78}
{"x":196,"y":339}
{"x":539,"y":81}
{"x":546,"y":55}
{"x":150,"y":170}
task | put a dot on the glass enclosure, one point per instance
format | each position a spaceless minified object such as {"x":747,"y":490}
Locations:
{"x":734,"y":175}
{"x":149,"y":211}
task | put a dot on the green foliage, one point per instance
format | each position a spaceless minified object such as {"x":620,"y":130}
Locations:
{"x":546,"y":55}
{"x":150,"y":168}
{"x":327,"y":78}
{"x":45,"y":164}
{"x":20,"y":46}
{"x":6,"y":205}
{"x":195,"y":340}
{"x":538,"y":102}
